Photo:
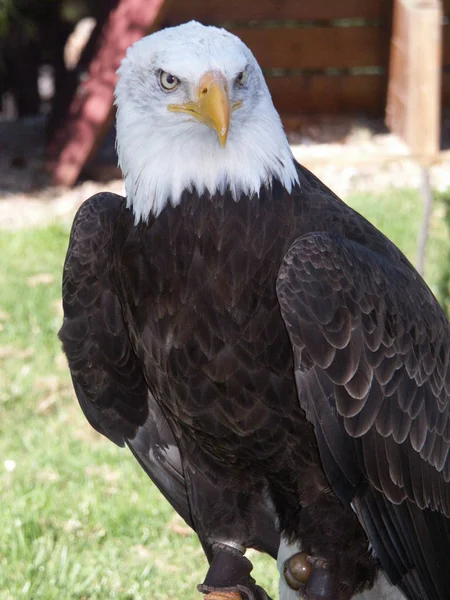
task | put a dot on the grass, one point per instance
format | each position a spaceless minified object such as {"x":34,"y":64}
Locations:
{"x":79,"y":519}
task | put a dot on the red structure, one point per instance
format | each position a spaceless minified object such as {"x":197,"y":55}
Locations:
{"x":90,"y":110}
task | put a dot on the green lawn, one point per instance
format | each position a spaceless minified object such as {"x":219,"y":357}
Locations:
{"x":79,"y":519}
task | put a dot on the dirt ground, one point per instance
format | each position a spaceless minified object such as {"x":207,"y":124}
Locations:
{"x":348,"y":155}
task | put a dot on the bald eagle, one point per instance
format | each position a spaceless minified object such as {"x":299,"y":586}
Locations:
{"x":274,"y":363}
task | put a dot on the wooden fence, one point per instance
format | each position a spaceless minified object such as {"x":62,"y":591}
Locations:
{"x":319,"y":56}
{"x":446,"y":55}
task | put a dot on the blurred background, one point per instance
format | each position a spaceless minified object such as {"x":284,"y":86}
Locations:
{"x":363,"y":88}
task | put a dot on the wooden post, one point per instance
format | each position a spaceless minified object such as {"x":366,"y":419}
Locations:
{"x":414,"y":88}
{"x":91,"y":108}
{"x":414,"y":91}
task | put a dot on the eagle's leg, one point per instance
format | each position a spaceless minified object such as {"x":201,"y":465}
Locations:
{"x":229,"y":576}
{"x":335,"y":561}
{"x":225,"y":504}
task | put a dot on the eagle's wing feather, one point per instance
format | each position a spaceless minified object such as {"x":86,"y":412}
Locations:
{"x":185,"y":478}
{"x":372,"y":361}
{"x":155,"y":448}
{"x":107,"y":378}
{"x":106,"y":375}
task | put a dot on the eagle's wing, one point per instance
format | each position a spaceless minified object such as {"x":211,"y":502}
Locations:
{"x":372,"y":362}
{"x":107,"y":378}
{"x":110,"y":385}
{"x":186,"y":480}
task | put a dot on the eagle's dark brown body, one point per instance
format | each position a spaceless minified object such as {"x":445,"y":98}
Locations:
{"x":190,"y":314}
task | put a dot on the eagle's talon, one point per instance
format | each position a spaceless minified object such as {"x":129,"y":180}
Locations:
{"x":310,"y":575}
{"x":297,"y":570}
{"x":320,"y":585}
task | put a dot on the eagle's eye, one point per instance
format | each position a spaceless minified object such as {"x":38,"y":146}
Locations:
{"x":168,"y":81}
{"x":241,"y":77}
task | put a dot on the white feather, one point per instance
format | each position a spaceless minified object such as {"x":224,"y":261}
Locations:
{"x":162,"y":153}
{"x":382,"y":590}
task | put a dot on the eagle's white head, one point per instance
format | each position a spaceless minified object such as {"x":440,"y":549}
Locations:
{"x":194,"y":112}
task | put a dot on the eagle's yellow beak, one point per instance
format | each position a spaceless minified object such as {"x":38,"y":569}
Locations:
{"x":212,"y":106}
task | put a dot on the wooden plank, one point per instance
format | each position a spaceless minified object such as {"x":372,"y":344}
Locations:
{"x":398,"y":78}
{"x":219,"y":11}
{"x":446,"y":89}
{"x":446,"y":44}
{"x":413,"y":109}
{"x":317,"y":47}
{"x":316,"y":94}
{"x":91,"y":109}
